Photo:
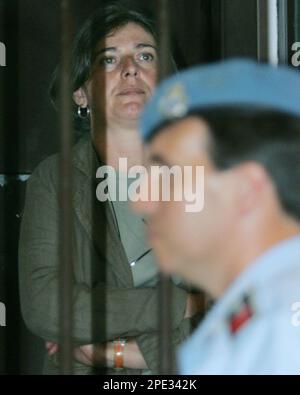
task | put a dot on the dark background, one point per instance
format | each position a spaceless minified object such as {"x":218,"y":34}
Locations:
{"x":202,"y":31}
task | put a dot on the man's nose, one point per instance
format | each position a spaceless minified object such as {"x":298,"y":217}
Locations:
{"x":129,"y":68}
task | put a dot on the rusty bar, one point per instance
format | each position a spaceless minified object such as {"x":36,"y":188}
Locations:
{"x":165,"y":294}
{"x":65,"y":198}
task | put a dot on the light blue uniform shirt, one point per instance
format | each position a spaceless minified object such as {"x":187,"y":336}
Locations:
{"x":269,"y":341}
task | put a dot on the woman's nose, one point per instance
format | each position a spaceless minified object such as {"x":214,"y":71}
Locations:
{"x":129,"y":68}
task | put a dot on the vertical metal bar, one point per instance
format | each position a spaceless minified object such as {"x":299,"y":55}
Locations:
{"x":294,"y":14}
{"x":273,"y":32}
{"x":222,"y":29}
{"x":283,"y":31}
{"x":273,"y":50}
{"x":165,"y":294}
{"x":267,"y":31}
{"x":66,"y":273}
{"x":262,"y":31}
{"x":165,"y":330}
{"x":164,"y":39}
{"x":10,"y":150}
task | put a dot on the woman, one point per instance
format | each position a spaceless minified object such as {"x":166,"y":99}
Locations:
{"x":114,"y":70}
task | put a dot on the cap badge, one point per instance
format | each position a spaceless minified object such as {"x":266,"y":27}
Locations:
{"x":174,"y":104}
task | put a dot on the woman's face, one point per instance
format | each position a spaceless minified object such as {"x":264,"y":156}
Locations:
{"x":123,"y":77}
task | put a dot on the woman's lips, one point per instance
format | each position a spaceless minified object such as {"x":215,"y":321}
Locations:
{"x":131,"y":91}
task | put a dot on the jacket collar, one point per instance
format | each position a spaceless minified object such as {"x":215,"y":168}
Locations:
{"x":94,"y":214}
{"x":84,"y":156}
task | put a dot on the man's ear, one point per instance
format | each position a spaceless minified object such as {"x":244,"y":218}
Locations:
{"x":252,"y":183}
{"x":80,"y":98}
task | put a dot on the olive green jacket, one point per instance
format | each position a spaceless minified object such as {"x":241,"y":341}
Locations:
{"x":106,"y":304}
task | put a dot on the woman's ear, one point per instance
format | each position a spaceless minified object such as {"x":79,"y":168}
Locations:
{"x":80,"y":98}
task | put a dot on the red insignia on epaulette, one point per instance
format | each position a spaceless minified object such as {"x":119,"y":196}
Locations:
{"x":240,"y":316}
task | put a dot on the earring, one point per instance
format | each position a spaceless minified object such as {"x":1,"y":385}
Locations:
{"x":83,"y":112}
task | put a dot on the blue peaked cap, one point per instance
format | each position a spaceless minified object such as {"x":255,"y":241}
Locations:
{"x":228,"y":83}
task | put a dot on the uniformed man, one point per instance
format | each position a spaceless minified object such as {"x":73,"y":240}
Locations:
{"x":241,"y":121}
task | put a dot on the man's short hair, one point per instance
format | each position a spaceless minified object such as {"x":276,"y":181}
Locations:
{"x":271,"y":138}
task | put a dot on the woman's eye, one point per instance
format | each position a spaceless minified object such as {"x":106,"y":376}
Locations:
{"x":108,"y":61}
{"x":146,"y":57}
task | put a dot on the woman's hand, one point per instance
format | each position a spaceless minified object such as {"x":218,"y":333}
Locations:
{"x":51,"y":348}
{"x":103,"y":354}
{"x":133,"y":358}
{"x":90,"y":354}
